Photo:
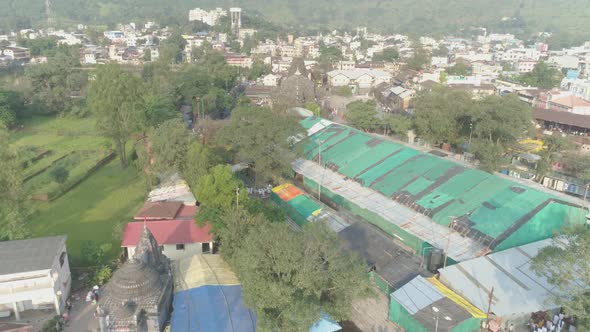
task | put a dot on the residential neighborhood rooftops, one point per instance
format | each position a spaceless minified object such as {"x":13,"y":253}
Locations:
{"x":358,"y":72}
{"x":167,"y":232}
{"x":571,"y":101}
{"x":36,"y":254}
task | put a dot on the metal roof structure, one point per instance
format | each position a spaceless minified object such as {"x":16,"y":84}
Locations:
{"x":477,"y":212}
{"x":393,"y":263}
{"x":426,"y":298}
{"x":517,"y":289}
{"x":30,"y":255}
{"x":459,"y":247}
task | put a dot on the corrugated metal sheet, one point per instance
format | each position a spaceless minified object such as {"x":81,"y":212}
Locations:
{"x":459,"y":247}
{"x":517,"y":289}
{"x":417,"y":295}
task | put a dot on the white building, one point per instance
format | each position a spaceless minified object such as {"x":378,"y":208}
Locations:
{"x":176,"y":238}
{"x":564,"y":61}
{"x":244,"y":33}
{"x":483,"y":69}
{"x":34,"y":274}
{"x":270,"y":80}
{"x":526,"y":66}
{"x":207,"y":17}
{"x":361,"y":78}
{"x":517,"y":54}
{"x":439,"y":61}
{"x":579,"y":87}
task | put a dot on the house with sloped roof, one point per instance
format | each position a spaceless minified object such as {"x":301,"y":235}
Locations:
{"x":176,"y":238}
{"x":34,"y":275}
{"x":151,"y":211}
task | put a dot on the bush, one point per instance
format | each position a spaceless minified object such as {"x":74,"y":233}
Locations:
{"x":343,"y":91}
{"x":102,"y":275}
{"x":59,"y":174}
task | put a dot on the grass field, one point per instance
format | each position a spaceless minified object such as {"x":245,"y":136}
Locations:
{"x":89,"y":211}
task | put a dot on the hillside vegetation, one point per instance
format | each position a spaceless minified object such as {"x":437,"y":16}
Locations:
{"x":409,"y":16}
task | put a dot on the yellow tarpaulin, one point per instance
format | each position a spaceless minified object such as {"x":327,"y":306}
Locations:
{"x":281,"y":187}
{"x":460,"y":301}
{"x":201,"y":270}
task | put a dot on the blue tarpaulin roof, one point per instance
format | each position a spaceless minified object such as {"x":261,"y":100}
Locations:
{"x":211,"y":308}
{"x":326,"y":324}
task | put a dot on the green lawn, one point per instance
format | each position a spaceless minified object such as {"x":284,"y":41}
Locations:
{"x":89,"y":211}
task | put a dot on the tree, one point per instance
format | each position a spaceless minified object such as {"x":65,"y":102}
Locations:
{"x":157,"y":109}
{"x":93,"y":253}
{"x":419,"y":60}
{"x":291,"y":278}
{"x":397,"y":124}
{"x":169,"y":143}
{"x":259,"y":69}
{"x":116,"y":98}
{"x":102,"y":275}
{"x":13,"y":213}
{"x":577,"y":164}
{"x":553,"y":145}
{"x":172,"y":49}
{"x":200,"y":160}
{"x":269,"y":210}
{"x":362,"y":115}
{"x":542,"y":76}
{"x":459,"y":69}
{"x":59,"y":174}
{"x":503,"y":120}
{"x":441,"y":51}
{"x":489,"y":154}
{"x":262,"y":139}
{"x":236,"y":225}
{"x":344,"y":91}
{"x":315,"y":108}
{"x":566,"y":265}
{"x":438,"y":114}
{"x":11,"y":105}
{"x":52,"y":82}
{"x":388,"y":55}
{"x":217,"y":190}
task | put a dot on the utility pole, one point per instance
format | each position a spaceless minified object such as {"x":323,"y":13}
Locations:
{"x":489,"y":307}
{"x":237,"y":197}
{"x":452,"y":226}
{"x":470,"y":132}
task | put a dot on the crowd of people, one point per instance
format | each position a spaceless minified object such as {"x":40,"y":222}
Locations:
{"x":559,"y":322}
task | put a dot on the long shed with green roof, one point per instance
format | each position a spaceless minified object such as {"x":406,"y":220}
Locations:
{"x":426,"y":200}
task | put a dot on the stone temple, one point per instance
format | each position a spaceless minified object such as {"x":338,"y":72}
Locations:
{"x":138,"y":297}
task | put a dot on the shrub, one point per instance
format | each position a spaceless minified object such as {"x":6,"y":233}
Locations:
{"x":59,"y":174}
{"x":343,"y":91}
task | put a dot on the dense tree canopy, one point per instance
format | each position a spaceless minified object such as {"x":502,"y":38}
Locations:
{"x":13,"y":212}
{"x":262,"y":139}
{"x":362,"y":115}
{"x":542,"y":76}
{"x":115,"y":96}
{"x":56,"y":82}
{"x":169,"y":143}
{"x":12,"y":104}
{"x":291,"y":278}
{"x":388,"y":55}
{"x":566,"y":265}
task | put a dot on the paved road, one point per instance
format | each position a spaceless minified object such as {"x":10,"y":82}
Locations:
{"x":82,"y":316}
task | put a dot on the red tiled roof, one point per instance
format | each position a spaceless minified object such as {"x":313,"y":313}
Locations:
{"x":158,"y":210}
{"x":167,"y":232}
{"x":571,"y":101}
{"x":187,"y":212}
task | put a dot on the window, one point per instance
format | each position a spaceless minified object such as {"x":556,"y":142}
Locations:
{"x":62,"y":259}
{"x":180,"y":247}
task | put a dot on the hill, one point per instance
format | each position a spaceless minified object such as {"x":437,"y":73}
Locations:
{"x":407,"y":16}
